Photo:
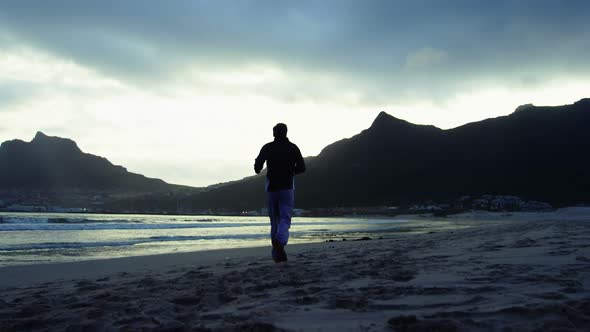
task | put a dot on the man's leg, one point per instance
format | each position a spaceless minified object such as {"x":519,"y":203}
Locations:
{"x":274,"y":215}
{"x":286,"y":203}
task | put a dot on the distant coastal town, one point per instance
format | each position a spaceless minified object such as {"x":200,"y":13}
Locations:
{"x":175,"y":203}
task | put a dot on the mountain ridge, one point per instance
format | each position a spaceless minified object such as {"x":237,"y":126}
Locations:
{"x":536,"y":152}
{"x":53,"y":163}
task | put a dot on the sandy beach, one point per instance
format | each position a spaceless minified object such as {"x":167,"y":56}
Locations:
{"x":509,"y":276}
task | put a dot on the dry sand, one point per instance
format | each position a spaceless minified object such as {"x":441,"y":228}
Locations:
{"x":511,"y":276}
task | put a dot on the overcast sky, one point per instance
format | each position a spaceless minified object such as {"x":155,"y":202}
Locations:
{"x":188,"y":91}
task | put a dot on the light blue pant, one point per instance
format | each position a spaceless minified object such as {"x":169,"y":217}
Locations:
{"x":280,"y":211}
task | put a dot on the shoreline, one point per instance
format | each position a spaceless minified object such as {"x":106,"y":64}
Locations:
{"x":23,"y":275}
{"x":35,"y":273}
{"x":75,"y":239}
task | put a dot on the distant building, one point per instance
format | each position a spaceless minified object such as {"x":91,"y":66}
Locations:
{"x":67,"y":210}
{"x":250,"y":213}
{"x":299,"y":212}
{"x":25,"y":208}
{"x":537,"y":206}
{"x":508,"y":203}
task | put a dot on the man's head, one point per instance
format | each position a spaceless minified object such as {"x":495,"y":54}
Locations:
{"x":280,"y":130}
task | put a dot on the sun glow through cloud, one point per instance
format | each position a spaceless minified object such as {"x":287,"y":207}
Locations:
{"x":196,"y":108}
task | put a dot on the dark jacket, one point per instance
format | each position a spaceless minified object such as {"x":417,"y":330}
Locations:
{"x":283,"y":160}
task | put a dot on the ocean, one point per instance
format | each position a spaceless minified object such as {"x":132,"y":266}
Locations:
{"x":35,"y":238}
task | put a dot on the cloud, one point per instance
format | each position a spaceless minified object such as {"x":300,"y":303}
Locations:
{"x":366,"y":47}
{"x":28,"y":77}
{"x":426,"y":58}
{"x":13,"y":93}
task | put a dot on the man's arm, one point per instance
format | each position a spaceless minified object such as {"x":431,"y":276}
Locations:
{"x":259,"y":162}
{"x":299,"y":163}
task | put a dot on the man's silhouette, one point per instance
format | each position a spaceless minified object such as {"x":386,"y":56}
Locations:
{"x":283,"y":161}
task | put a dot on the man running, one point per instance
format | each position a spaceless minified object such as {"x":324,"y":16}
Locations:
{"x":283,"y":161}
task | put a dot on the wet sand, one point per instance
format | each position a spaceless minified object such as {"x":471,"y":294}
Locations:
{"x":509,"y":276}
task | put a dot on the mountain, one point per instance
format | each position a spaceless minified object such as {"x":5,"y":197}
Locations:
{"x":538,"y":153}
{"x":57,"y":164}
